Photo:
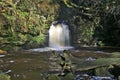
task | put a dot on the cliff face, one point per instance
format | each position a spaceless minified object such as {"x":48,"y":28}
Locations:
{"x":25,"y":23}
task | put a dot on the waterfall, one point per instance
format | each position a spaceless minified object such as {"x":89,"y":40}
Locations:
{"x":59,"y":35}
{"x":59,"y":38}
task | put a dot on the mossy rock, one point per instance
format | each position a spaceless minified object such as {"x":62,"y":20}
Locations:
{"x":102,"y":71}
{"x":96,"y":63}
{"x":4,"y":77}
{"x":69,"y":76}
{"x":53,"y":77}
{"x":116,"y":54}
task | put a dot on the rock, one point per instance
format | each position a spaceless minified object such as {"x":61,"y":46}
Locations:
{"x":115,"y":71}
{"x":100,"y":78}
{"x":69,"y":76}
{"x":2,"y":55}
{"x":3,"y":52}
{"x":53,"y":77}
{"x":90,"y":59}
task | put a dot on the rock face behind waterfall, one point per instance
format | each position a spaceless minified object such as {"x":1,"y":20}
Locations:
{"x":59,"y":34}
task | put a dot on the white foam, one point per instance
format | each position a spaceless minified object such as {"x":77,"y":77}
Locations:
{"x":51,"y":49}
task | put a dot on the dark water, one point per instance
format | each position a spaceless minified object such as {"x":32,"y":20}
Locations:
{"x":25,"y":66}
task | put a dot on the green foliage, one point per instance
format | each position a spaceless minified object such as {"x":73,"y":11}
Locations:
{"x":39,"y":38}
{"x":93,"y":22}
{"x":53,"y":77}
{"x":4,"y":76}
{"x":69,"y":76}
{"x":97,"y":21}
{"x":25,"y":21}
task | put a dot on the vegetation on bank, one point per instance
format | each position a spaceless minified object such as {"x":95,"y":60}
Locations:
{"x":25,"y":23}
{"x":4,"y":77}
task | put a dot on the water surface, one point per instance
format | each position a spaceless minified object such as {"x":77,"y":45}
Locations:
{"x":36,"y":65}
{"x":25,"y":66}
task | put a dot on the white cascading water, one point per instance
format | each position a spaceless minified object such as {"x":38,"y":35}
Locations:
{"x":59,"y":35}
{"x":59,"y":38}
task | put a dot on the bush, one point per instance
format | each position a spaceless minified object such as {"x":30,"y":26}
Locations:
{"x":4,"y":77}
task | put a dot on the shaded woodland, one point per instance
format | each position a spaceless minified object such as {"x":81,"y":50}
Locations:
{"x":24,"y":24}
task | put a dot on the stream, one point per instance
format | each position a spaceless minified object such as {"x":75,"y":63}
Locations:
{"x":25,"y":65}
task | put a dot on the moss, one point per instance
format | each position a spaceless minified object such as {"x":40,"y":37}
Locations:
{"x":116,"y":54}
{"x":69,"y":76}
{"x":4,"y":77}
{"x":102,"y":71}
{"x":39,"y":39}
{"x":53,"y":77}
